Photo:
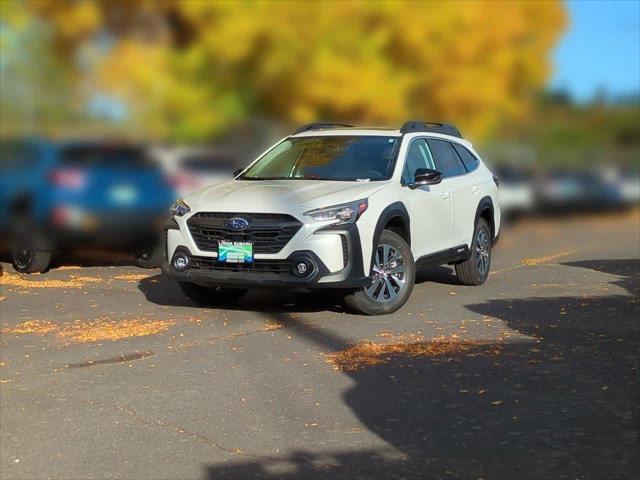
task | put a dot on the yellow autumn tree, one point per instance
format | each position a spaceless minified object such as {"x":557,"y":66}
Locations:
{"x":190,"y":69}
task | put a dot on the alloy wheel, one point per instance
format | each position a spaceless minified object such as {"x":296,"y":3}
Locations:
{"x":389,"y":274}
{"x":482,"y":252}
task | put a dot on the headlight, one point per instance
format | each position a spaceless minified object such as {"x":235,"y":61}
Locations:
{"x":344,"y":213}
{"x":179,"y":208}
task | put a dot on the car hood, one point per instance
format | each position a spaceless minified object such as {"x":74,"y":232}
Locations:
{"x":279,"y":196}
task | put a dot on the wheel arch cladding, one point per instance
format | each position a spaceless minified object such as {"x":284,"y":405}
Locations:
{"x":485,"y":210}
{"x":397,"y":217}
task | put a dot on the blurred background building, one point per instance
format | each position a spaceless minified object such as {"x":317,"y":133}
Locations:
{"x":547,"y":90}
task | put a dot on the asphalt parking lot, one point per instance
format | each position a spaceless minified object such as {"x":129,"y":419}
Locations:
{"x":108,"y":372}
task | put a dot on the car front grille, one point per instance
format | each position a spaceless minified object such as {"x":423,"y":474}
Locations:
{"x":269,"y":232}
{"x":258,"y":266}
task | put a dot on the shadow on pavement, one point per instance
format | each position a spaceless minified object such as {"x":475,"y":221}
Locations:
{"x":94,"y":258}
{"x":83,"y":258}
{"x":562,"y":405}
{"x":163,"y":290}
{"x":441,"y":274}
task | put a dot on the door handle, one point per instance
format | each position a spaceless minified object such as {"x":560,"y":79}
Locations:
{"x":445,"y":196}
{"x":475,"y":189}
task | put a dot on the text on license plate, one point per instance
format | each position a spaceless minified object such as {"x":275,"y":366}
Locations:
{"x":235,"y":252}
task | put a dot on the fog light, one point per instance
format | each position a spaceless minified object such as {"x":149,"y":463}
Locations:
{"x":180,"y":262}
{"x":302,"y":268}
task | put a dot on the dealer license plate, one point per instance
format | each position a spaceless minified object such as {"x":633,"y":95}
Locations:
{"x":235,"y":252}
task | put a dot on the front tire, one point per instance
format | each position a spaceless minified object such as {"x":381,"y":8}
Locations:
{"x":392,"y":279}
{"x":150,"y":258}
{"x":211,"y":296}
{"x":30,"y":252}
{"x":30,"y":260}
{"x":475,"y":270}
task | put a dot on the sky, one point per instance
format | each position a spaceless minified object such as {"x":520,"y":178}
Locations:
{"x":601,"y":49}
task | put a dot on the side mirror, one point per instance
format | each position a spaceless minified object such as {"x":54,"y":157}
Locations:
{"x":426,"y":176}
{"x":237,"y":172}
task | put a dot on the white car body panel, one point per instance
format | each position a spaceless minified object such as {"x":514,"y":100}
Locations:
{"x":442,"y":216}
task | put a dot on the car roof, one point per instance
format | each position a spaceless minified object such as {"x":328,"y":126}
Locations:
{"x":371,"y":131}
{"x":375,"y":131}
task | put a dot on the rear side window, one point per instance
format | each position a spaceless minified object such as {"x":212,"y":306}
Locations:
{"x":469,"y":160}
{"x":447,"y":160}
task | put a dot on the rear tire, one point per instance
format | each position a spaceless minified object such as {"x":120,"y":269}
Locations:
{"x":391,"y":281}
{"x":211,"y":296}
{"x":475,"y":270}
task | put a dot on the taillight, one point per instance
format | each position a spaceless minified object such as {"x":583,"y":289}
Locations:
{"x":68,"y":178}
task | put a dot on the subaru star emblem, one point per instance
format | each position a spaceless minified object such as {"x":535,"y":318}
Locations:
{"x":237,"y":224}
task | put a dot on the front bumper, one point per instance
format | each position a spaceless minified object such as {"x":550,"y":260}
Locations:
{"x":333,"y":252}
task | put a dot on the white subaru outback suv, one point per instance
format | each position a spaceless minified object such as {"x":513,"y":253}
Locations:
{"x":334,"y":206}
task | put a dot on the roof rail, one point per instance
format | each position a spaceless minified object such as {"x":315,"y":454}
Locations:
{"x":433,"y":127}
{"x":320,"y":126}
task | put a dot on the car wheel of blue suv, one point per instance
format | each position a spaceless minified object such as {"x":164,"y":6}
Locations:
{"x":30,"y":253}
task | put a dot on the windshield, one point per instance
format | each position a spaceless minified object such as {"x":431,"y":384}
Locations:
{"x":336,"y":157}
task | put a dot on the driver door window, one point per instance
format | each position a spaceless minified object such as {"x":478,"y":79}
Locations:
{"x":418,"y":156}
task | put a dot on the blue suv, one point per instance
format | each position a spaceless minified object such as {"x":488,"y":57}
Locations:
{"x":57,"y":196}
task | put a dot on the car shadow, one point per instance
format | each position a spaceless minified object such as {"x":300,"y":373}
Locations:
{"x":559,"y":402}
{"x":162,"y":290}
{"x":440,"y":274}
{"x":93,"y":258}
{"x":84,"y":258}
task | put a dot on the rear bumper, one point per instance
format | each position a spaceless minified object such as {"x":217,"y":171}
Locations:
{"x":122,"y":232}
{"x":111,"y":231}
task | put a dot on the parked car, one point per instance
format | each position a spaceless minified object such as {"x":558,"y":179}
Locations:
{"x":627,"y":181}
{"x":517,"y":190}
{"x":192,"y":168}
{"x":58,"y":196}
{"x":334,"y":206}
{"x":565,"y":190}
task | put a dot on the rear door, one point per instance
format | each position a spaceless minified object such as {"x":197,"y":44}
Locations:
{"x":430,"y":204}
{"x":465,"y":203}
{"x":454,"y":182}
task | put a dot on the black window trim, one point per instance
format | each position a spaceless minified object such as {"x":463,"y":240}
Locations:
{"x":463,"y":165}
{"x":425,"y":138}
{"x":404,"y":163}
{"x":475,"y":157}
